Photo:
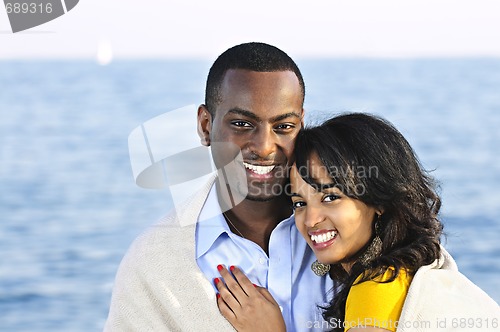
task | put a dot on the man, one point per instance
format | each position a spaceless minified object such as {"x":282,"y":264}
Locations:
{"x":254,"y":102}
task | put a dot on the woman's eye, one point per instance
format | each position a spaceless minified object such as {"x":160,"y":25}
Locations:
{"x":330,"y":198}
{"x":298,"y":204}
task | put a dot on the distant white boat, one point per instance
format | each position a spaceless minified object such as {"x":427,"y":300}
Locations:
{"x":104,"y":53}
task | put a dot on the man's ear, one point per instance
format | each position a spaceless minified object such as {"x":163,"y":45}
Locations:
{"x":302,"y":118}
{"x":204,"y":125}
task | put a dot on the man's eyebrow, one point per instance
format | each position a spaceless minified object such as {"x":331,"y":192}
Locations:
{"x":251,"y":115}
{"x":240,"y":111}
{"x":285,"y":116}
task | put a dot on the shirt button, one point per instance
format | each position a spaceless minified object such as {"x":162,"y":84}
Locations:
{"x":262,"y":260}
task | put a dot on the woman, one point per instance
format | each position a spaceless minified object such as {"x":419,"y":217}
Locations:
{"x":370,"y":214}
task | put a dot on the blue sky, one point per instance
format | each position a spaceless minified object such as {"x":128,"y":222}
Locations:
{"x":320,"y":28}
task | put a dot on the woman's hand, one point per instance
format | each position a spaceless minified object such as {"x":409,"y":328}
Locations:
{"x":246,"y":306}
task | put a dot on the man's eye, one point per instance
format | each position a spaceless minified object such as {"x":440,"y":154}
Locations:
{"x":285,"y":126}
{"x":241,"y":124}
{"x":298,"y":204}
{"x":330,"y":198}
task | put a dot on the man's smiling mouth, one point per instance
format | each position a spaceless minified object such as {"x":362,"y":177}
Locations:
{"x":260,"y":170}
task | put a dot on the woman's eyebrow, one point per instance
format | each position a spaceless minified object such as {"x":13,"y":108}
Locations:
{"x":327,"y":186}
{"x":320,"y":186}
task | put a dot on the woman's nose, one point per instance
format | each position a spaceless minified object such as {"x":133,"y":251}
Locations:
{"x":313,"y":216}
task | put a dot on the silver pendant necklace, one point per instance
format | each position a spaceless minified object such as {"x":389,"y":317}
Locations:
{"x":231,"y":223}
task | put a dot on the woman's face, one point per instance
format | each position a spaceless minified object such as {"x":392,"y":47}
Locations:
{"x":335,"y":226}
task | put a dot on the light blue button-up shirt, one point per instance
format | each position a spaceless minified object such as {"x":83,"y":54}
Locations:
{"x":286,"y":272}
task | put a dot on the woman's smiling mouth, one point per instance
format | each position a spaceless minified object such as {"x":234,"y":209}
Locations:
{"x":322,"y":238}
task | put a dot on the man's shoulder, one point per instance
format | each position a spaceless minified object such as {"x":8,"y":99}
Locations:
{"x":155,"y":255}
{"x":172,"y":237}
{"x":167,"y":228}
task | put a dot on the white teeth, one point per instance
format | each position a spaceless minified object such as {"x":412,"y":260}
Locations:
{"x":261,"y":170}
{"x":323,"y":237}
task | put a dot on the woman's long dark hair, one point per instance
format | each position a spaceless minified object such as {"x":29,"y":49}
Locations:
{"x":371,"y":161}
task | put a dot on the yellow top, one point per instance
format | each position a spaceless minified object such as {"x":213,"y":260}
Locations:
{"x":376,"y":304}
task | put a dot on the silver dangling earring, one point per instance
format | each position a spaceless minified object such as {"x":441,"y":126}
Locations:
{"x":375,"y":247}
{"x":320,"y":269}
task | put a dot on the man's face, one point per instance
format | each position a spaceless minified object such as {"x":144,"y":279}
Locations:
{"x":261,"y":113}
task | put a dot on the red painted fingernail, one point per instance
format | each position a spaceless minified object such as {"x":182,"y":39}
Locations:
{"x":216,"y":280}
{"x":254,"y":285}
{"x":220,"y":267}
{"x":231,"y":268}
{"x":218,"y":296}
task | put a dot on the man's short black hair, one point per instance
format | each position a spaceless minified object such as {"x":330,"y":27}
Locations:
{"x":253,"y":56}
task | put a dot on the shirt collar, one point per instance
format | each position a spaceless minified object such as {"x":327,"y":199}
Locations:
{"x":211,"y":223}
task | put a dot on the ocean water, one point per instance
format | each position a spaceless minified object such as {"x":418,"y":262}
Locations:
{"x":69,"y":207}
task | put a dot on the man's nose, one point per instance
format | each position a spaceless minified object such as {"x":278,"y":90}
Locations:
{"x":264,"y":143}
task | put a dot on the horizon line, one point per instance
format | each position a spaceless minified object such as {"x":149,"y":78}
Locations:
{"x":303,"y":57}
